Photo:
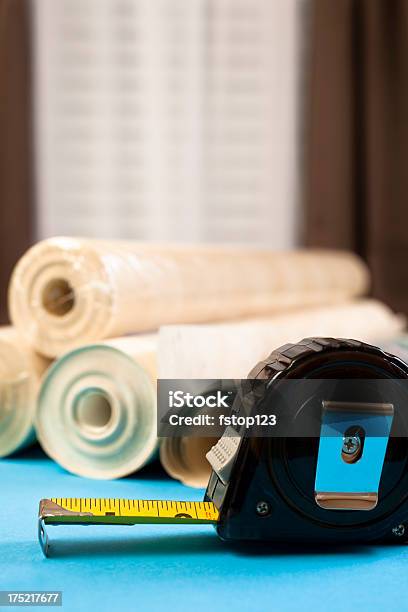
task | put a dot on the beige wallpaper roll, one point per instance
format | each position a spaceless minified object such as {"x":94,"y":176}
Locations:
{"x":65,"y":292}
{"x":20,"y":374}
{"x":97,"y":408}
{"x":231,"y":350}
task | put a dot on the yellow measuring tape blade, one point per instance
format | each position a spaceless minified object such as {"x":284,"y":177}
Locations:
{"x":108,"y":511}
{"x":65,"y":510}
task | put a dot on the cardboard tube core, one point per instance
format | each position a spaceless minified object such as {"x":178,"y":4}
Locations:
{"x":93,"y":410}
{"x":58,"y":297}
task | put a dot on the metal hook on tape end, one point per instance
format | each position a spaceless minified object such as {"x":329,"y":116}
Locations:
{"x":43,"y":536}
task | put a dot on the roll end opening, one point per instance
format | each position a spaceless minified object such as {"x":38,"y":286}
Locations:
{"x":58,"y":297}
{"x":93,"y":411}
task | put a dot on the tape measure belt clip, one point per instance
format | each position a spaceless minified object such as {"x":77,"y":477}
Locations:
{"x":352,"y":448}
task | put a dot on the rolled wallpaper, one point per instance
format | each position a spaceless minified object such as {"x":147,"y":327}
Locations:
{"x":65,"y":292}
{"x":20,"y":374}
{"x":231,"y":350}
{"x":97,"y":408}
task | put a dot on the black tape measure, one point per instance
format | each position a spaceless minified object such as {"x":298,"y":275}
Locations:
{"x":269,"y":490}
{"x":339,"y":474}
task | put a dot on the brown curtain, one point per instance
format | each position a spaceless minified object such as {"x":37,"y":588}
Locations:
{"x":357,"y":178}
{"x":16,"y":177}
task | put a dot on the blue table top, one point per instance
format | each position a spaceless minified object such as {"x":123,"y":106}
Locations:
{"x":151,"y":567}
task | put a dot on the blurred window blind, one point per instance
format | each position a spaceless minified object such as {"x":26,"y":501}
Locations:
{"x":169,"y":119}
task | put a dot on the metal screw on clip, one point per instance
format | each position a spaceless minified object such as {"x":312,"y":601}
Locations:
{"x":351,"y":444}
{"x":398,"y":531}
{"x":351,"y":449}
{"x":263,"y":508}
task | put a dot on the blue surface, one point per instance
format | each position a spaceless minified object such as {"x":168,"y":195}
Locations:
{"x":151,"y":568}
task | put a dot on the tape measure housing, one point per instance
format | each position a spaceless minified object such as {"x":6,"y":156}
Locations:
{"x":269,"y":492}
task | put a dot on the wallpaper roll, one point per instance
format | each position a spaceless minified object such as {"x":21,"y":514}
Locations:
{"x":185,"y":459}
{"x":231,"y":350}
{"x":65,"y":292}
{"x":20,"y":373}
{"x":97,"y":408}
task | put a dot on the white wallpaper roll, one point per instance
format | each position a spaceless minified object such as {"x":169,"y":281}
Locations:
{"x":65,"y":292}
{"x":20,"y":373}
{"x":97,"y":408}
{"x":231,"y":350}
